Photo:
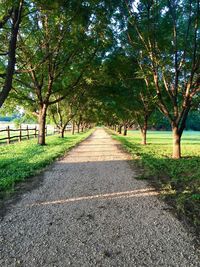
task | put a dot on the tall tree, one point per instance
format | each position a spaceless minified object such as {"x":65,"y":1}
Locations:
{"x":10,"y":20}
{"x":56,"y":48}
{"x":165,"y":37}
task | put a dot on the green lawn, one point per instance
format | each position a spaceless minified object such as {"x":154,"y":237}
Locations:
{"x":21,"y":160}
{"x":179,"y":180}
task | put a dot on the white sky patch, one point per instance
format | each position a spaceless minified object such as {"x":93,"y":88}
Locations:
{"x":135,"y":5}
{"x":164,"y":10}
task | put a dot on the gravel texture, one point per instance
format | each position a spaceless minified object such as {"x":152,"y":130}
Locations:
{"x":91,"y":211}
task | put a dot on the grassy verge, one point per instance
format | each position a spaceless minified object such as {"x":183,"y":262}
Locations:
{"x":179,"y":180}
{"x":19,"y":161}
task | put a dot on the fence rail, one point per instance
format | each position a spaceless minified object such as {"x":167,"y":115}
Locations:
{"x":58,"y":131}
{"x":22,"y":133}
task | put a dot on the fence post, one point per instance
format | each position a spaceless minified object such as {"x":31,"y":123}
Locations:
{"x":8,"y":132}
{"x":35,"y":131}
{"x":20,"y":133}
{"x":27,"y":130}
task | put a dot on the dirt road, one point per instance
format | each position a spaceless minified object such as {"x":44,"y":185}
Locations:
{"x":91,"y":211}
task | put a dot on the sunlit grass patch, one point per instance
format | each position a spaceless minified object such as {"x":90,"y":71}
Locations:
{"x":179,"y":179}
{"x":21,"y":160}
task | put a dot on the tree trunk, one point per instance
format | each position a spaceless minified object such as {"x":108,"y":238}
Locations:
{"x":176,"y":143}
{"x":82,"y":127}
{"x":73,"y":127}
{"x":63,"y":129}
{"x":144,"y":136}
{"x":144,"y":131}
{"x":63,"y":132}
{"x":120,"y":129}
{"x":11,"y":53}
{"x":78,"y":128}
{"x":42,"y":125}
{"x":125,"y":130}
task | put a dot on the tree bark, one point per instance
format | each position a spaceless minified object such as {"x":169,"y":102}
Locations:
{"x":42,"y":124}
{"x":73,"y":127}
{"x":176,"y":143}
{"x":177,"y":131}
{"x":82,"y":127}
{"x":11,"y":53}
{"x":78,"y":128}
{"x":125,"y":130}
{"x":63,"y":129}
{"x":144,"y":136}
{"x":144,"y":131}
{"x":120,"y":129}
{"x":63,"y":132}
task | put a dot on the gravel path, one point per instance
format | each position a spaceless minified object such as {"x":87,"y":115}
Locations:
{"x":90,"y":211}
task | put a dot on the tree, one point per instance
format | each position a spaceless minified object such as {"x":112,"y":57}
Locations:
{"x":11,"y":18}
{"x":141,"y":114}
{"x":165,"y":36}
{"x":126,"y":85}
{"x":64,"y":112}
{"x":56,"y":48}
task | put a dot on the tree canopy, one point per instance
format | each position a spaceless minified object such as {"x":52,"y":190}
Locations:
{"x":117,"y":63}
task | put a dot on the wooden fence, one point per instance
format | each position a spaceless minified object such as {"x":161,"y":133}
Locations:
{"x":58,"y":131}
{"x":21,"y":133}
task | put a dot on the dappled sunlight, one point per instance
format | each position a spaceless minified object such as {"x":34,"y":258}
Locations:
{"x":112,"y":157}
{"x":146,"y":192}
{"x":97,"y":149}
{"x":86,"y":160}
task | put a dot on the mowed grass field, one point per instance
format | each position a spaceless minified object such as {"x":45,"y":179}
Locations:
{"x":179,"y":180}
{"x":19,"y":161}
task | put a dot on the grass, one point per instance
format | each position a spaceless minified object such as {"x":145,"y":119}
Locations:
{"x":19,"y":161}
{"x":179,"y":180}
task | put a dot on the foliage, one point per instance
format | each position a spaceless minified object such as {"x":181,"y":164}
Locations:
{"x":158,"y":33}
{"x":26,"y":118}
{"x":10,"y":19}
{"x":193,"y":121}
{"x":129,"y":54}
{"x":159,"y":122}
{"x":57,"y":45}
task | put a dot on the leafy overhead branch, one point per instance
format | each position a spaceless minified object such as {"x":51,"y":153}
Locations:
{"x":16,"y":20}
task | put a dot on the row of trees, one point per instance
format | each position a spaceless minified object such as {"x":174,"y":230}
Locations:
{"x":161,"y":45}
{"x":166,"y":36}
{"x":112,"y":62}
{"x":47,"y":52}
